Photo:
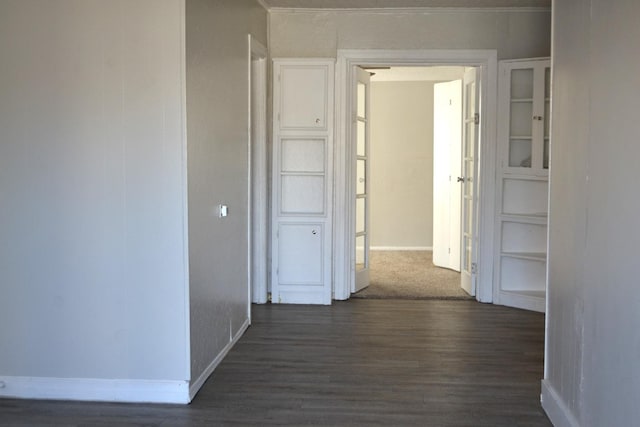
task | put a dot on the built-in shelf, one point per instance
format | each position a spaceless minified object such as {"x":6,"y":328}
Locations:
{"x":523,"y":190}
{"x":533,"y":256}
{"x":536,"y":218}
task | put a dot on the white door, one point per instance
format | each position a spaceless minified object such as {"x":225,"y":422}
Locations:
{"x":447,"y":152}
{"x":302,"y":155}
{"x":471,"y":120}
{"x":360,"y":138}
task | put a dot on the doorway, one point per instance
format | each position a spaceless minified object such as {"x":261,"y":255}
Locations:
{"x":411,"y":108}
{"x":346,"y":248}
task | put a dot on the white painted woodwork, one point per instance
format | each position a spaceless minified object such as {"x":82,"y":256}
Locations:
{"x":468,"y":181}
{"x":258,"y":218}
{"x":447,"y":152}
{"x":486,"y":63}
{"x":522,"y":186}
{"x":402,"y":4}
{"x":301,"y":188}
{"x":360,"y":142}
{"x":303,"y":109}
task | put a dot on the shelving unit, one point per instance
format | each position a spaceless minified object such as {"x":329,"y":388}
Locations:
{"x":523,"y":133}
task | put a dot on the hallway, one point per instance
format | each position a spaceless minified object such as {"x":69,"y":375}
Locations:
{"x":362,"y":362}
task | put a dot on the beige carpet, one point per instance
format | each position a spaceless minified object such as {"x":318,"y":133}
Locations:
{"x":410,"y":275}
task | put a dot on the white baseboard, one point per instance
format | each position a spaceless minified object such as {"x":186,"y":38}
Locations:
{"x":555,"y":408}
{"x":96,"y":390}
{"x":106,"y":390}
{"x":197,"y":384}
{"x":401,"y":248}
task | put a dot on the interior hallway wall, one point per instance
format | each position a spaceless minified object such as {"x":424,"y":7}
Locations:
{"x":92,"y":216}
{"x":217,"y":134}
{"x":515,"y":34}
{"x":401,"y":145}
{"x":593,"y":314}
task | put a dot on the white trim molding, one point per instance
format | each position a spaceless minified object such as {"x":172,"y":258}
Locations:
{"x":112,"y":390}
{"x":486,"y":60}
{"x":95,"y":390}
{"x":401,"y":248}
{"x":555,"y":408}
{"x":410,"y":10}
{"x":257,"y":179}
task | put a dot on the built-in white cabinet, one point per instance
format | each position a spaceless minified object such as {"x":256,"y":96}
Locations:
{"x":301,"y":180}
{"x":523,"y":188}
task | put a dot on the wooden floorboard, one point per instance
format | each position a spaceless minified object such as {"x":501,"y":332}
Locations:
{"x":360,"y":363}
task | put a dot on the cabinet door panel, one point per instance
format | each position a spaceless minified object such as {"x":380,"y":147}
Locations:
{"x":300,"y":248}
{"x":303,"y":97}
{"x":302,"y":181}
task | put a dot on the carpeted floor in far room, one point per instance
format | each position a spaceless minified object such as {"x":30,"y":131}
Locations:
{"x":410,"y":275}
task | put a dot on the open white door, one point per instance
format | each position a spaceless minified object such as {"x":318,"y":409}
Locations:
{"x":447,"y":152}
{"x":471,"y":120}
{"x":360,"y":138}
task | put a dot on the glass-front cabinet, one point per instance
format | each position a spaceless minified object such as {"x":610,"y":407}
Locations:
{"x":522,"y":186}
{"x":524,"y":125}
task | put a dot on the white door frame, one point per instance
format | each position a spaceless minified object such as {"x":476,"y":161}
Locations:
{"x":487,"y":62}
{"x":258,"y":197}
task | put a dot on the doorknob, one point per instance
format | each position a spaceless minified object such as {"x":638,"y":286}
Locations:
{"x":461,"y":179}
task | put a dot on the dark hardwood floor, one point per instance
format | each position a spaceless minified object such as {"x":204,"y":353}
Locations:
{"x":362,"y":362}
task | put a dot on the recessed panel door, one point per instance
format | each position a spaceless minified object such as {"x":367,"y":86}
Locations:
{"x":447,"y":151}
{"x":468,"y":179}
{"x":302,"y":184}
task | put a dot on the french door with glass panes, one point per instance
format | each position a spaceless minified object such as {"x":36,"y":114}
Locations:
{"x":360,"y":149}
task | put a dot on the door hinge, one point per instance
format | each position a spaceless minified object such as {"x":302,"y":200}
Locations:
{"x":476,"y":118}
{"x":474,"y":268}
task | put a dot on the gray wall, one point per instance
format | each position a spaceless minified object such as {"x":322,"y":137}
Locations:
{"x":402,"y":164}
{"x":311,"y":33}
{"x":217,"y":120}
{"x":593,"y":336}
{"x":92,"y":213}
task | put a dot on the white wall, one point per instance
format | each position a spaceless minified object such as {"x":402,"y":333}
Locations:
{"x":217,"y":117}
{"x":92,"y":214}
{"x":593,"y":335}
{"x":401,"y":144}
{"x":311,"y":33}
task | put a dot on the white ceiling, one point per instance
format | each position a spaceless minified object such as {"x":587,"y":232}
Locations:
{"x":375,"y":4}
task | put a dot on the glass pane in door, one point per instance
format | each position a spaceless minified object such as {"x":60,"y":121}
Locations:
{"x":361,"y":169}
{"x":361,"y":261}
{"x":362,"y":101}
{"x":361,"y":138}
{"x":520,"y":153}
{"x":360,"y":214}
{"x":522,"y":84}
{"x":547,"y":117}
